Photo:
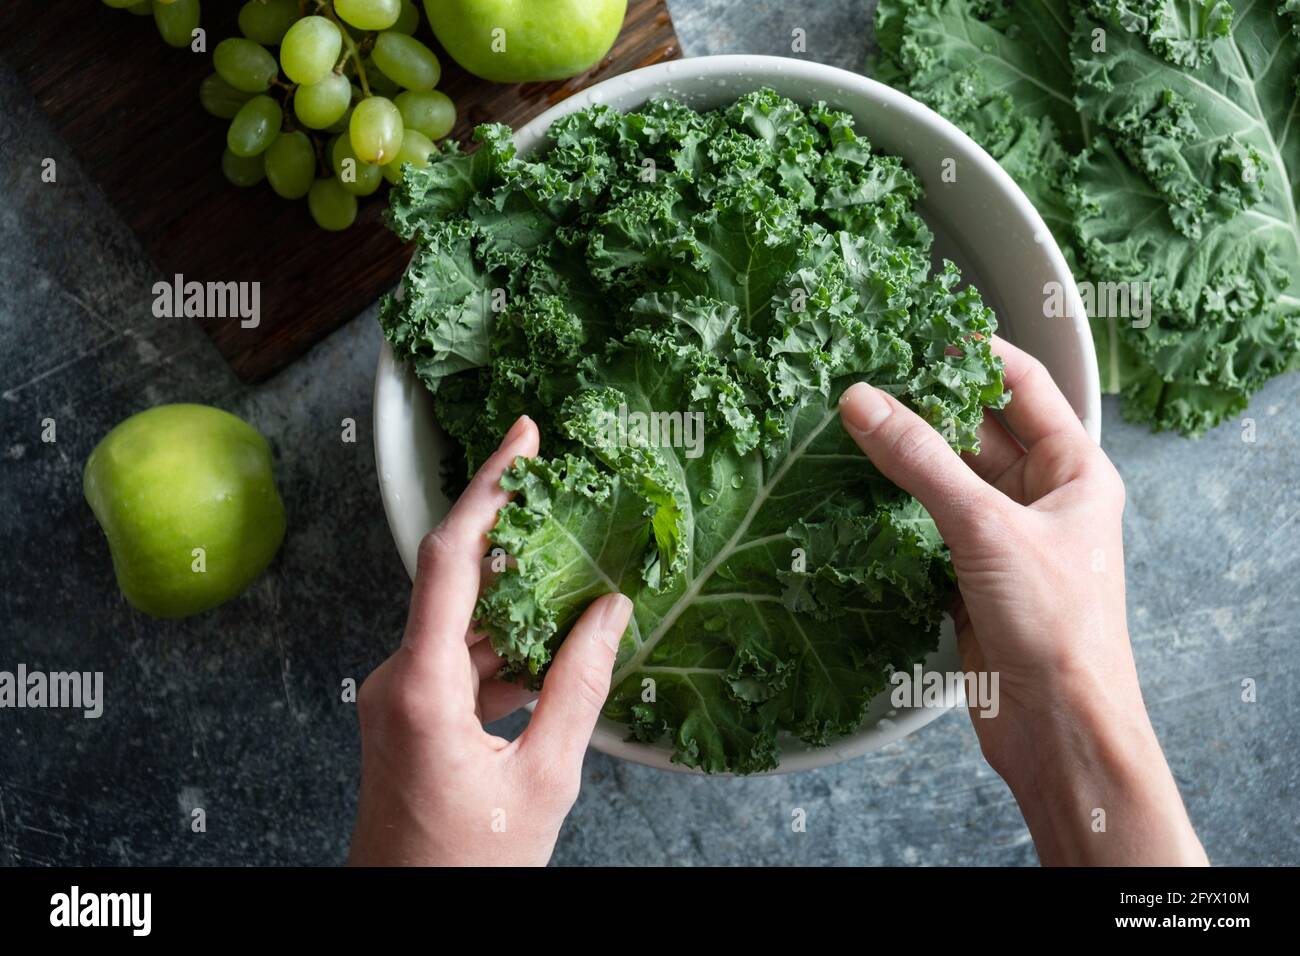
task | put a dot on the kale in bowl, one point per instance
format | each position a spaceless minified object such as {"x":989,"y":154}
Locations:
{"x":736,"y":269}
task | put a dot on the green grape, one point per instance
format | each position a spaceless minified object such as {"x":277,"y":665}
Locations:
{"x":267,"y":21}
{"x":369,"y":14}
{"x":243,"y":170}
{"x":406,"y":61}
{"x":310,"y":49}
{"x":142,"y":9}
{"x":380,"y":84}
{"x":220,"y":98}
{"x":332,"y":206}
{"x":408,"y":21}
{"x":358,"y":178}
{"x":245,"y":65}
{"x":430,"y":112}
{"x":120,"y":4}
{"x":176,"y":21}
{"x":291,"y":165}
{"x":320,"y":105}
{"x":376,"y":130}
{"x":416,"y":150}
{"x":255,"y":126}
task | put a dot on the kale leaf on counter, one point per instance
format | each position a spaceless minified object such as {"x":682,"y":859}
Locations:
{"x":1160,"y":141}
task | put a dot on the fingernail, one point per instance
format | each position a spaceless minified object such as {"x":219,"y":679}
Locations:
{"x":864,"y":408}
{"x":614,"y":618}
{"x":516,"y":429}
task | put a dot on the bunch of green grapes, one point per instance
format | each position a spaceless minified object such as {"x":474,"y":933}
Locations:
{"x":348,"y":102}
{"x":177,"y":19}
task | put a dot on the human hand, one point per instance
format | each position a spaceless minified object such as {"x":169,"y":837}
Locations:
{"x":436,"y":788}
{"x":1033,"y":524}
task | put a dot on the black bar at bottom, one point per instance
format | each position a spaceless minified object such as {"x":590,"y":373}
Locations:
{"x":218,"y":905}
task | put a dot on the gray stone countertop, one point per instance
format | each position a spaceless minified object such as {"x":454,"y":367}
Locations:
{"x":238,"y":710}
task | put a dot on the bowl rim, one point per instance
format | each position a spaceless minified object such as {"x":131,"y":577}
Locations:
{"x":392,"y":378}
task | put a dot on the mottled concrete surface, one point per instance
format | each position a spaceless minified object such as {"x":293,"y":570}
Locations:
{"x":237,"y":711}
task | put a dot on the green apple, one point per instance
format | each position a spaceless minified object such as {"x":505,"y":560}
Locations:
{"x":519,"y":41}
{"x":187,"y":499}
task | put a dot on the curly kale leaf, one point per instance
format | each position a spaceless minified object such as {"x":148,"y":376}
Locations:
{"x":1193,"y":190}
{"x":1158,"y":141}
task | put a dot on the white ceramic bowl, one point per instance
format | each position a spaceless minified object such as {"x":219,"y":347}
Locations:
{"x":982,"y":221}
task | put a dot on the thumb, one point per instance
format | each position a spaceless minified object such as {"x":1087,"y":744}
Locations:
{"x":578,"y":683}
{"x":911,"y":454}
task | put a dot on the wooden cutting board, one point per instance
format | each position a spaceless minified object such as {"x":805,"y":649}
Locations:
{"x":127,"y":105}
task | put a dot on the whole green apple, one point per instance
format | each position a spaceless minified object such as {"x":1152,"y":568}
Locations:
{"x":187,"y":499}
{"x":520,"y":41}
